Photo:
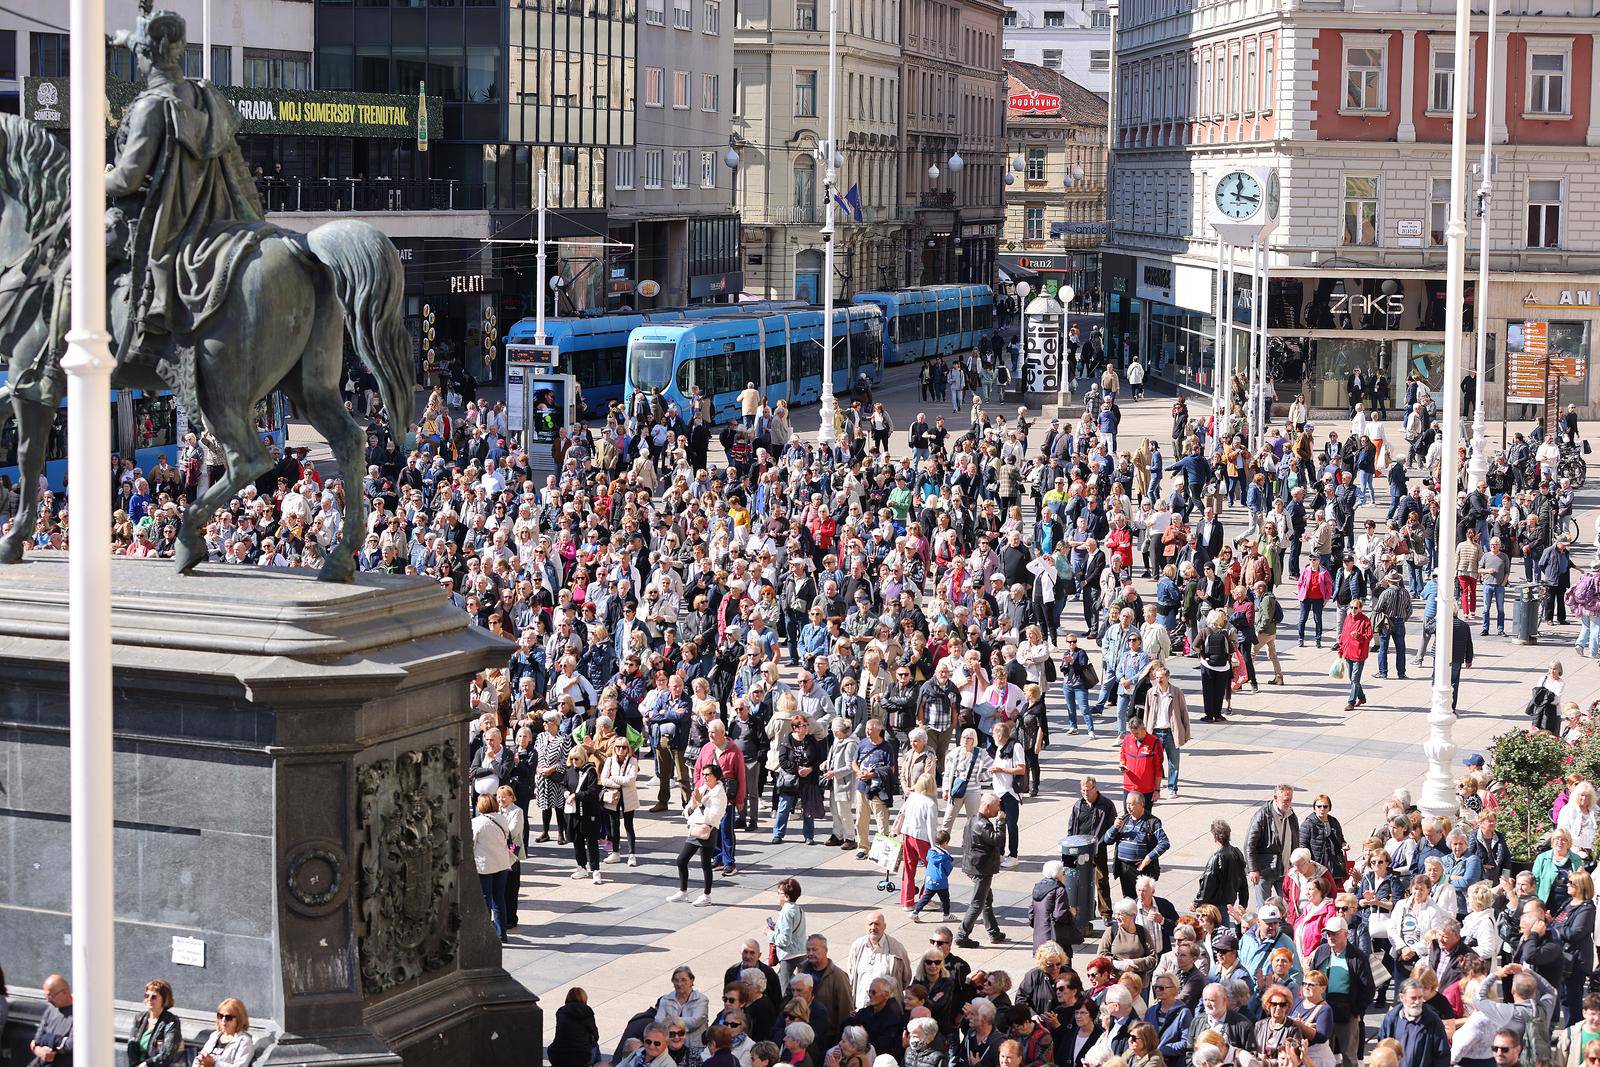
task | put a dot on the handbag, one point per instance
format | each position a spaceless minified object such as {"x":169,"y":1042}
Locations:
{"x":788,"y":784}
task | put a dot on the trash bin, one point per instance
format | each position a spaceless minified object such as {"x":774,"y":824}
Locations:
{"x":1525,"y":625}
{"x":1077,"y":855}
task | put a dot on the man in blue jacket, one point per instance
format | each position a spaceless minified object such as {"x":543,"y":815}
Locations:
{"x":1417,"y":1027}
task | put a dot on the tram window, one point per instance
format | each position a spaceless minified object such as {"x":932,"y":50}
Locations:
{"x":913,"y":326}
{"x":949,"y":321}
{"x":776,"y":371}
{"x":894,"y":331}
{"x":613,"y":362}
{"x":841,"y":354}
{"x":930,"y":324}
{"x":808,"y":358}
{"x":155,"y":421}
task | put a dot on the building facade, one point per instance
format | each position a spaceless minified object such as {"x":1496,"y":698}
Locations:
{"x":671,"y":195}
{"x":1350,"y":103}
{"x":952,"y":125}
{"x":780,"y":120}
{"x":1072,"y":39}
{"x":1055,"y":183}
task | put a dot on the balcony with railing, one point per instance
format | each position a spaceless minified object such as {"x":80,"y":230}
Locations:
{"x":371,"y":195}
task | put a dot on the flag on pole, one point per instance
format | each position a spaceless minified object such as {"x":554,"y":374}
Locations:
{"x":850,"y":203}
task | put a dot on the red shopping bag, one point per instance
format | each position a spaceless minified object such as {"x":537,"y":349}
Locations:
{"x":1240,"y":673}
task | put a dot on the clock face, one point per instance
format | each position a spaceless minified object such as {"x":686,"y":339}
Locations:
{"x":1274,"y":195}
{"x":1239,"y":195}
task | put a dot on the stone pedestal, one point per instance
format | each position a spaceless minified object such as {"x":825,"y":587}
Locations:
{"x":290,"y":764}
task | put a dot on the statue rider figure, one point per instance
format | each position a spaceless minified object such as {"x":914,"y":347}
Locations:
{"x":179,"y":190}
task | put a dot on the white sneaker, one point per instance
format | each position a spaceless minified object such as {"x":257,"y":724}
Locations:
{"x":1009,"y":861}
{"x":615,"y":857}
{"x":597,"y":879}
{"x":579,"y":873}
{"x":633,"y":860}
{"x":702,"y":900}
{"x":677,"y":897}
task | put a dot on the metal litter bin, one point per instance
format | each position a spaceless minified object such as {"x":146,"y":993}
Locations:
{"x":1525,"y":621}
{"x":1077,"y":856}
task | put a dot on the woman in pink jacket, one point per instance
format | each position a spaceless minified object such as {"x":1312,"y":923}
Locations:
{"x":1315,"y":587}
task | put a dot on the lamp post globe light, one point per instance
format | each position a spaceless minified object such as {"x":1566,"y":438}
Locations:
{"x":933,"y":172}
{"x":956,"y":163}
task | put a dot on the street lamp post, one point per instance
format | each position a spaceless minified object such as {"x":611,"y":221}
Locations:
{"x":1478,"y":463}
{"x":830,"y":161}
{"x":88,"y":366}
{"x":1438,"y":788}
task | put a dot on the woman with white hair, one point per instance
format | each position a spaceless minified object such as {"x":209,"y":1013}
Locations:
{"x":1051,"y":911}
{"x":1127,"y":944}
{"x":1578,"y":818}
{"x":1216,"y":647}
{"x":922,"y":1048}
{"x":965,"y":771}
{"x":917,"y":824}
{"x":1481,"y":929}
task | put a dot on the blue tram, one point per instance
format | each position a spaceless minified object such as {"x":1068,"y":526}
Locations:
{"x":779,"y":350}
{"x":932,"y":320}
{"x":594,"y":349}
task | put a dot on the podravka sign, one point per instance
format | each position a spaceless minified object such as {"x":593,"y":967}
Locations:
{"x":1032,"y":103}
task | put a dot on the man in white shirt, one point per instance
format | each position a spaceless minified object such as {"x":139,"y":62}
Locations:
{"x":1010,"y":765}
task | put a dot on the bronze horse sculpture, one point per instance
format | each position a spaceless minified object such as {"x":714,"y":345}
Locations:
{"x":280,"y":326}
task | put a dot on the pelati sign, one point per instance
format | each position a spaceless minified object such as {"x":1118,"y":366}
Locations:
{"x":302,"y":112}
{"x":1032,"y":103}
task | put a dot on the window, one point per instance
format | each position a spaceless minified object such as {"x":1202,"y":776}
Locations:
{"x":1438,"y":211}
{"x":655,"y":12}
{"x":652,"y":168}
{"x":8,"y":53}
{"x":1052,"y":58}
{"x":622,"y":168}
{"x":1269,"y":74}
{"x":682,"y":15}
{"x":1361,"y":210}
{"x":1250,"y":80}
{"x":1033,"y":223}
{"x":1055,"y":18}
{"x":680,"y":169}
{"x":654,"y":78}
{"x":1544,"y":213}
{"x":710,"y":92}
{"x":1100,"y":20}
{"x":1099,"y":59}
{"x":48,"y":52}
{"x":805,"y":94}
{"x":711,"y":11}
{"x":1442,"y":79}
{"x":805,"y":15}
{"x":265,"y":70}
{"x":680,"y":89}
{"x":708,"y":170}
{"x":1363,"y":75}
{"x":1035,"y":170}
{"x":1547,"y":81}
{"x":1008,"y":53}
{"x":805,"y":189}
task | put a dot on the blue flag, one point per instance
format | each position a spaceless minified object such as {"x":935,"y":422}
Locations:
{"x":850,"y":202}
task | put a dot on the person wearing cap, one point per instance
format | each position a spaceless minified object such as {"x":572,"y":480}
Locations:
{"x":1261,"y":940}
{"x":1350,"y":988}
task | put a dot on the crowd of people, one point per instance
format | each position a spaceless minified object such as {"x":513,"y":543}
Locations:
{"x":862,"y":643}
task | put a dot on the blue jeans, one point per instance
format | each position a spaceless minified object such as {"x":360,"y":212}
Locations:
{"x":1588,"y":634}
{"x":726,"y":845}
{"x":494,"y":895}
{"x":1124,"y":702}
{"x":1355,"y":667}
{"x":780,"y":822}
{"x":1169,"y":749}
{"x":928,"y":894}
{"x":1311,"y":609}
{"x":1107,"y":691}
{"x":1496,"y":595}
{"x":1367,"y":489}
{"x":1399,"y":638}
{"x":1077,"y":696}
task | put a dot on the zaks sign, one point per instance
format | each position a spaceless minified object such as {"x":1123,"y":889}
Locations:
{"x":1032,"y":103}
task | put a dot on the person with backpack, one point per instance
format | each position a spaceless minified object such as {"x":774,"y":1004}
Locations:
{"x":1269,"y":614}
{"x":1216,"y":647}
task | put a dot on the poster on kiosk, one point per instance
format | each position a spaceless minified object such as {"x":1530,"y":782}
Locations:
{"x":548,"y":406}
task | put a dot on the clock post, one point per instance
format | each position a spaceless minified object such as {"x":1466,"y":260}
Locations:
{"x":1244,"y":207}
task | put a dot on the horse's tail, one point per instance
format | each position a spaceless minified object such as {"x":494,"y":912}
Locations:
{"x":370,"y":281}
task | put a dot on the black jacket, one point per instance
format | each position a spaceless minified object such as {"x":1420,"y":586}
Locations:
{"x":1356,"y":1002}
{"x":1223,"y":882}
{"x":575,"y":1038}
{"x":1092,"y":820}
{"x":986,"y":848}
{"x":1262,"y":847}
{"x":1239,"y":1031}
{"x":166,"y":1043}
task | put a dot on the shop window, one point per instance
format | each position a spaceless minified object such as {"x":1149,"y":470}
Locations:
{"x":1544,"y":212}
{"x":1364,"y":73}
{"x":1361,"y":210}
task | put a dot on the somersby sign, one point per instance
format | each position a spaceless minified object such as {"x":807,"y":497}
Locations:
{"x":303,"y":112}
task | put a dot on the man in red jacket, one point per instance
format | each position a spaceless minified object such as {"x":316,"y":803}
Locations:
{"x":1142,"y":755}
{"x":1355,"y":645}
{"x":730,"y":760}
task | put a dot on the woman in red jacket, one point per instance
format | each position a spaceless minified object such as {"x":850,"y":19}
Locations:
{"x":1355,"y":644}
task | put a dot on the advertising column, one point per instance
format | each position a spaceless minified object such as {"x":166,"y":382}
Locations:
{"x":1041,"y":349}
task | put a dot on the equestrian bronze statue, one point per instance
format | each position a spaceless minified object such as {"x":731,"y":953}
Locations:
{"x":206,"y":299}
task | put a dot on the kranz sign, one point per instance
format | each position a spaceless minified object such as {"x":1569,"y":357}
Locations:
{"x":1041,"y":346}
{"x":1032,"y":103}
{"x":302,"y":112}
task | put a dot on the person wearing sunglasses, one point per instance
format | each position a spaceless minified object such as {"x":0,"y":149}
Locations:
{"x":654,"y":1050}
{"x":230,"y":1044}
{"x":157,"y":1038}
